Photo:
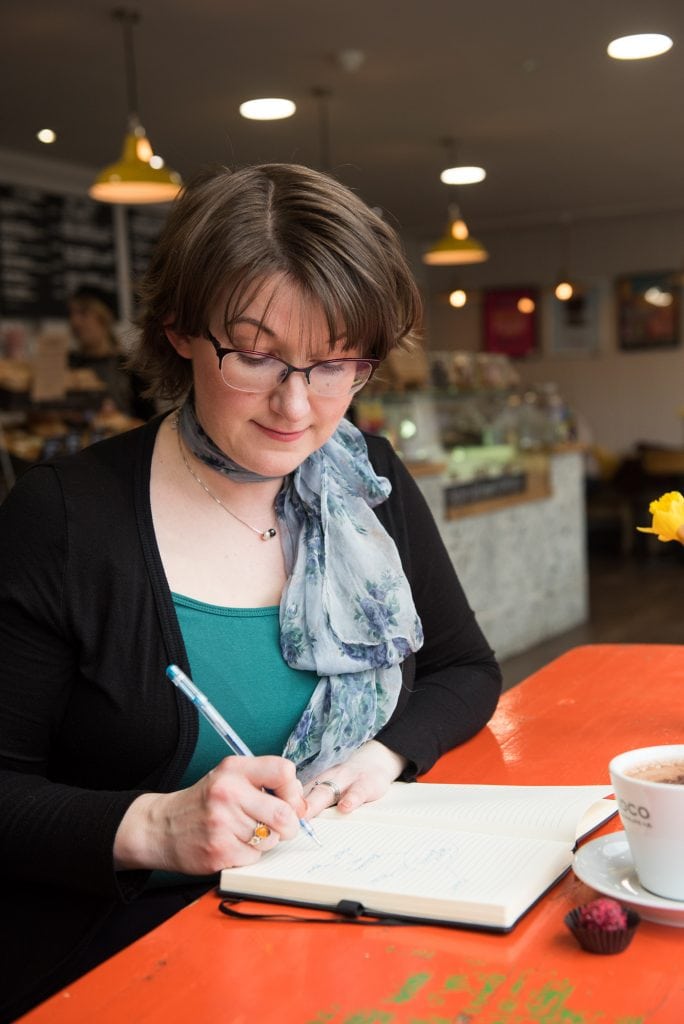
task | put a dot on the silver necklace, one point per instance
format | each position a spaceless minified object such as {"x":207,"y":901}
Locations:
{"x":264,"y":534}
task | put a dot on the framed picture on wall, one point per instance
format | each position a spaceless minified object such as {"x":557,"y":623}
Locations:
{"x":648,"y":309}
{"x":510,"y":321}
{"x":575,"y":322}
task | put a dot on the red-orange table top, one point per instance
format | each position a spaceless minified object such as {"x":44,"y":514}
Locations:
{"x":560,"y":726}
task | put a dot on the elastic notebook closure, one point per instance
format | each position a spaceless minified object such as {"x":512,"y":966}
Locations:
{"x":350,"y":908}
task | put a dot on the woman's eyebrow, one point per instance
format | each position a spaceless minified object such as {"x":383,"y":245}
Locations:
{"x":264,"y":329}
{"x":259,"y":324}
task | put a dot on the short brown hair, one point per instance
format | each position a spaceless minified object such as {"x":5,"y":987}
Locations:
{"x":229,"y":230}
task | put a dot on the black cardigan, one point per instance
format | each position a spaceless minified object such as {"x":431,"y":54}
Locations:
{"x":88,"y":720}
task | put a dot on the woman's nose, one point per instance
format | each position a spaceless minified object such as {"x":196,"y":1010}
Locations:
{"x":291,"y":398}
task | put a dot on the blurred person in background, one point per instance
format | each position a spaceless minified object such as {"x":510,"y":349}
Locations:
{"x":91,"y":319}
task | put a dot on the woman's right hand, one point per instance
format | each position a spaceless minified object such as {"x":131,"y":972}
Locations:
{"x":204,"y":828}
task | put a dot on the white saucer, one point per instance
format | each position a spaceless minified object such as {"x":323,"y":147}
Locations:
{"x":606,"y":865}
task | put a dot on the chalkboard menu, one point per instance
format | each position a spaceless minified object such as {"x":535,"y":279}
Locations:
{"x":144,"y":228}
{"x":472,"y":491}
{"x":49,"y":246}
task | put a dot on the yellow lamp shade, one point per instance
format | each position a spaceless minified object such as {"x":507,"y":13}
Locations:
{"x":457,"y":245}
{"x":132,"y":180}
{"x":449,"y":251}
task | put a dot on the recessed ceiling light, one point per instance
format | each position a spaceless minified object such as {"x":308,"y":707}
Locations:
{"x":46,"y":135}
{"x":462,"y":175}
{"x":638,"y":47}
{"x":271,"y":109}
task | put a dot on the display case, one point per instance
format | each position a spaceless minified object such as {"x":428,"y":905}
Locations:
{"x":39,"y":422}
{"x":498,"y":465}
{"x":470,"y":421}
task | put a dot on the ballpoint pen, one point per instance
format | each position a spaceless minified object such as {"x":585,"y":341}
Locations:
{"x":219,"y":724}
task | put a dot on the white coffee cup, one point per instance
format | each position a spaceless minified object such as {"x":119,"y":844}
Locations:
{"x":652,"y":813}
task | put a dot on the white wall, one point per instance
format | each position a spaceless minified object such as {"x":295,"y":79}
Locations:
{"x":623,"y":397}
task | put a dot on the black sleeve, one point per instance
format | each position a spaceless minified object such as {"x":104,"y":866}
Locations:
{"x":457,"y":678}
{"x":53,"y":832}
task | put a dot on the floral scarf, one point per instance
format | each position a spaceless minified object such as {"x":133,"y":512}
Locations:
{"x":346,"y":611}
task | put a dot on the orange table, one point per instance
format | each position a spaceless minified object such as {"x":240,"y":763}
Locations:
{"x":560,"y":726}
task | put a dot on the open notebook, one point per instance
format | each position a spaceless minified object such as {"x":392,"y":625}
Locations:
{"x":476,"y":856}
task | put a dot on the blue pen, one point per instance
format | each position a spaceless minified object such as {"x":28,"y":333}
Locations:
{"x":218,"y":722}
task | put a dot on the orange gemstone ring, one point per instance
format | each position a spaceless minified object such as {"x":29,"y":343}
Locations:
{"x":260,"y":832}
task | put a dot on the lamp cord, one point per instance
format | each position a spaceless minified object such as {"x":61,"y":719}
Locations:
{"x":128,"y":18}
{"x":323,"y":96}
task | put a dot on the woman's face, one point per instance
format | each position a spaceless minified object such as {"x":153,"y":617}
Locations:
{"x":89,"y":328}
{"x":272,"y":432}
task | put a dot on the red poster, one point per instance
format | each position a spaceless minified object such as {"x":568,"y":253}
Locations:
{"x":510,"y":317}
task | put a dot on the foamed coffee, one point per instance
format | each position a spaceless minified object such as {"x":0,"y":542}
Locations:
{"x":659,"y":771}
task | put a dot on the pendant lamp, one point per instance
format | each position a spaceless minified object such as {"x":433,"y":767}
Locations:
{"x":133,"y":178}
{"x":458,"y":297}
{"x":457,"y":245}
{"x":564,"y":289}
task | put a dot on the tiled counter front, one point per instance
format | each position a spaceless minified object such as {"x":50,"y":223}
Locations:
{"x":523,"y":568}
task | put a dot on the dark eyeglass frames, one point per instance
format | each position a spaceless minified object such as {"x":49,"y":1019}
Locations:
{"x":255,"y":372}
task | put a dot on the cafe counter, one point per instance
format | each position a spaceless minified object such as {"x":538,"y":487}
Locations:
{"x":518,"y":545}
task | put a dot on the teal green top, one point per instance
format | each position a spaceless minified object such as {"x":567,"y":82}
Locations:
{"x":235,"y":659}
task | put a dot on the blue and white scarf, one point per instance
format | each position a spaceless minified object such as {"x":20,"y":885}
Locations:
{"x":346,"y":612}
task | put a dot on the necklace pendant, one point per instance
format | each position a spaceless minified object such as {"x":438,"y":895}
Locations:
{"x":265,"y":534}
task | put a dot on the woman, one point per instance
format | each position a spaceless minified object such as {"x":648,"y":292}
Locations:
{"x":91,"y":319}
{"x":253,"y":537}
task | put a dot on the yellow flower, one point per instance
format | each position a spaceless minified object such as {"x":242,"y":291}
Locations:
{"x":668,"y":516}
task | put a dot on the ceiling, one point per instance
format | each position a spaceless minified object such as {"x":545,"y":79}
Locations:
{"x":524,"y":87}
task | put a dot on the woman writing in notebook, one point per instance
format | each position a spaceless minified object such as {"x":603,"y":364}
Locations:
{"x":254,"y":537}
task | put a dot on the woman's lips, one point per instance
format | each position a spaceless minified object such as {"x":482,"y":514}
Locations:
{"x":287,"y":436}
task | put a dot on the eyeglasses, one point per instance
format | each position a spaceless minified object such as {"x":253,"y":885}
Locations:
{"x":255,"y":372}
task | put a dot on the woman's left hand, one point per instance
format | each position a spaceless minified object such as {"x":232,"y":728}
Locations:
{"x":366,"y":776}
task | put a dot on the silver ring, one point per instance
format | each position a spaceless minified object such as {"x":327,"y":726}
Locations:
{"x":337,"y":792}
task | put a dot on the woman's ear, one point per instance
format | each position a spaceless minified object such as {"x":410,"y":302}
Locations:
{"x":181,"y":342}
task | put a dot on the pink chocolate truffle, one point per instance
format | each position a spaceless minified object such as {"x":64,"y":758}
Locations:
{"x":603,"y":914}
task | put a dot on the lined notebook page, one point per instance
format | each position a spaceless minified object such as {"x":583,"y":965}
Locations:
{"x":407,"y":870}
{"x":545,"y":811}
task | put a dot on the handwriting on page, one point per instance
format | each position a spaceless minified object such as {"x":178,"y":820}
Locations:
{"x":398,"y":859}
